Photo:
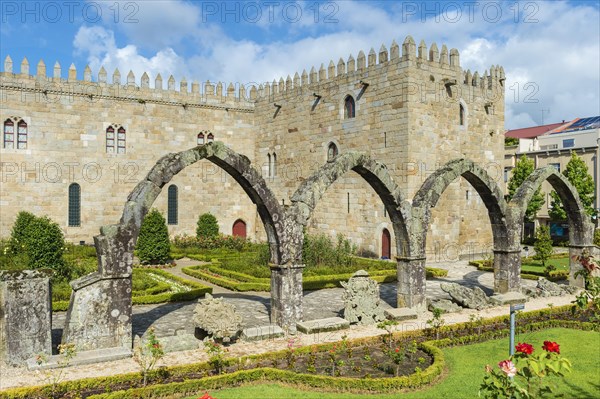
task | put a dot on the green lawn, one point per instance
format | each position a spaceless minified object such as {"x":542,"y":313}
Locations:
{"x":529,"y":264}
{"x":465,"y":370}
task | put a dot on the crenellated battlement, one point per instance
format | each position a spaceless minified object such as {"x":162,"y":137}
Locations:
{"x":212,"y":95}
{"x":443,"y":65}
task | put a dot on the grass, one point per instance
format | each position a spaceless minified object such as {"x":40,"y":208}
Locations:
{"x":465,"y":371}
{"x":529,"y":264}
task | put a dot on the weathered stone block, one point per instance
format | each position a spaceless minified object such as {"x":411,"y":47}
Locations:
{"x":400,"y":314}
{"x":262,"y":332}
{"x":25,"y":315}
{"x":323,"y":325}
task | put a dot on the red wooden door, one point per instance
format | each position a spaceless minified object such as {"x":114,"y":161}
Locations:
{"x":385,"y":244}
{"x":239,"y":228}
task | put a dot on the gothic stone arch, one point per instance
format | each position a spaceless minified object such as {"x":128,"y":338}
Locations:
{"x":581,"y":228}
{"x":99,"y":314}
{"x":411,"y":271}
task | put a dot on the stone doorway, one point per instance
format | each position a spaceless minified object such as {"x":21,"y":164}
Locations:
{"x":386,"y":252}
{"x":239,"y":228}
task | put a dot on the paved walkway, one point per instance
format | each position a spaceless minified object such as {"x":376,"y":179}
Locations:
{"x":254,"y":307}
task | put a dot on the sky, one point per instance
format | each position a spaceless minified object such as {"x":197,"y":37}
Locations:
{"x":550,"y":50}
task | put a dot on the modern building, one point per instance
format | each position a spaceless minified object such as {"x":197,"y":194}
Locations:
{"x":552,"y":145}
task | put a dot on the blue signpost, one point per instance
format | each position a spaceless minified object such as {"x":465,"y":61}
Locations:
{"x":513,"y":315}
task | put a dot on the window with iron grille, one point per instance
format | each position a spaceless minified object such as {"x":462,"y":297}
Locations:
{"x":172,"y":205}
{"x":74,"y":205}
{"x":9,"y":134}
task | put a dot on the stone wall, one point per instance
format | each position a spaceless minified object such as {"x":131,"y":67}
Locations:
{"x":25,"y":315}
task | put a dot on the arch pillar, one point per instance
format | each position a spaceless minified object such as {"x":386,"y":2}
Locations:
{"x":411,"y":283}
{"x":507,"y":270}
{"x":286,"y":296}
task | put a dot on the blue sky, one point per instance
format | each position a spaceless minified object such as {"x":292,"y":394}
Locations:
{"x":550,"y":50}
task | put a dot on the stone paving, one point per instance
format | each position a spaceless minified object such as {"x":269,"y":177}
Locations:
{"x":173,"y":318}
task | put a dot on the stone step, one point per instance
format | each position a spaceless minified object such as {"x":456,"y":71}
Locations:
{"x":509,"y":298}
{"x":400,"y":314}
{"x":322,"y":325}
{"x":262,"y":332}
{"x":80,"y":358}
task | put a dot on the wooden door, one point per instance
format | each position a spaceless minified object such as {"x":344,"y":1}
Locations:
{"x":239,"y":228}
{"x":385,"y":244}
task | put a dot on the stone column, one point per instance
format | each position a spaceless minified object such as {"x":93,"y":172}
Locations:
{"x":25,"y":315}
{"x":507,"y":270}
{"x":574,"y":266}
{"x":286,"y":296}
{"x":411,"y":283}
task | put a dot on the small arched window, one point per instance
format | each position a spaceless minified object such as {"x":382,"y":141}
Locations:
{"x":200,"y":139}
{"x":332,"y":151}
{"x":269,"y":165}
{"x":210,"y":138}
{"x":274,"y":165}
{"x":9,"y":134}
{"x":22,"y":135}
{"x":172,"y":205}
{"x":74,"y":205}
{"x":121,"y":141}
{"x":461,"y":115}
{"x":349,"y":107}
{"x":110,"y":140}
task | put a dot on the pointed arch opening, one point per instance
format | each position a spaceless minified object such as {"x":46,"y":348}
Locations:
{"x":239,"y":228}
{"x":349,"y":107}
{"x":74,"y":205}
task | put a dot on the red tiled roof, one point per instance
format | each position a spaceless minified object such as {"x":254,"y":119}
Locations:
{"x":534,"y":131}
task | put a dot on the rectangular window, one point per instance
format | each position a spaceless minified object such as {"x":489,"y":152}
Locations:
{"x":556,"y":166}
{"x":507,"y":173}
{"x":568,"y":143}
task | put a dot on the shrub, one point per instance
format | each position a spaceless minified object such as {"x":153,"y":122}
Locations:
{"x":153,"y":243}
{"x":319,"y":250}
{"x":207,"y":226}
{"x":543,"y":245}
{"x":597,"y":237}
{"x":21,"y":232}
{"x":45,"y":247}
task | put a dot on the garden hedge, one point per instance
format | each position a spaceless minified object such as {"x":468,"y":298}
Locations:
{"x":237,"y":281}
{"x":556,"y":275}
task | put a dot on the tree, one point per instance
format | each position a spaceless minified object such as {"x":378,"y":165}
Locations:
{"x":21,"y":232}
{"x":542,"y":245}
{"x":153,"y":245}
{"x":207,"y":226}
{"x":520,"y":173}
{"x":578,"y":175}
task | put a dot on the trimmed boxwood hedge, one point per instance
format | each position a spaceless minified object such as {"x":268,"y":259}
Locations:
{"x":457,"y":334}
{"x":157,"y":294}
{"x":237,"y":281}
{"x":556,"y":275}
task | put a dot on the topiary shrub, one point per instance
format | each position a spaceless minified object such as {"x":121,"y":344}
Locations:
{"x":153,"y":245}
{"x":207,"y":226}
{"x":21,"y":232}
{"x":45,"y":245}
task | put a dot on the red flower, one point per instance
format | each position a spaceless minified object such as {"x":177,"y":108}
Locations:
{"x":524,"y":348}
{"x":397,"y":350}
{"x":551,"y":347}
{"x":206,"y":396}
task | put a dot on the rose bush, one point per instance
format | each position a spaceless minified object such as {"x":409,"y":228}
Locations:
{"x":523,"y":375}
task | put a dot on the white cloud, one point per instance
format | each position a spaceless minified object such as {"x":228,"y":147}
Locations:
{"x":559,"y":56}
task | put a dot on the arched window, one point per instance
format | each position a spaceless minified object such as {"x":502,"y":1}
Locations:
{"x":22,"y":135}
{"x":274,"y":165}
{"x":269,"y":165}
{"x":9,"y":134}
{"x":200,"y":139}
{"x":172,"y":205}
{"x":210,"y":138}
{"x":332,"y":151}
{"x":74,"y":205}
{"x":110,"y":140}
{"x":239,"y":228}
{"x":461,"y":115}
{"x":349,"y":107}
{"x":386,"y":252}
{"x":121,"y":141}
